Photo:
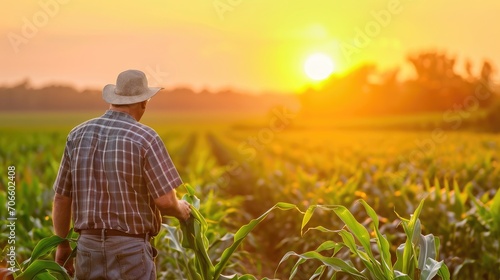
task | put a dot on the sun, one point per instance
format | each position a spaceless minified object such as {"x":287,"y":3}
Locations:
{"x":318,"y":66}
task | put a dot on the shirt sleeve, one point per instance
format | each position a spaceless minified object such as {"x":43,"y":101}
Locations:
{"x":160,"y":172}
{"x":63,"y":184}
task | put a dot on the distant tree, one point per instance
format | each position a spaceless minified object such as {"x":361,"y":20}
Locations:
{"x":433,"y":66}
{"x":484,"y":86}
{"x":468,"y":70}
{"x":486,"y":72}
{"x":437,"y":86}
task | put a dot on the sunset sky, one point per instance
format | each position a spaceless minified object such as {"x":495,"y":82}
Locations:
{"x":247,"y":45}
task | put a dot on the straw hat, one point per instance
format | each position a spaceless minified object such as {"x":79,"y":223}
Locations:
{"x":131,"y":87}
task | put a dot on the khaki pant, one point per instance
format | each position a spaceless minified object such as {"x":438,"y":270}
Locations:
{"x":115,"y":257}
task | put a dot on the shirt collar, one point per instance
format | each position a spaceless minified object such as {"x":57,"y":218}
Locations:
{"x":112,"y":114}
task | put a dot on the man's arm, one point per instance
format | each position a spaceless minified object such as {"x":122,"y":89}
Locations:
{"x":171,"y":206}
{"x":61,"y":217}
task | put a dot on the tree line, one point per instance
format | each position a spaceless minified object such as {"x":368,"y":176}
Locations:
{"x":364,"y":91}
{"x":435,"y":87}
{"x":24,"y":97}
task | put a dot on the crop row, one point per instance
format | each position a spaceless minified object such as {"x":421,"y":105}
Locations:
{"x":238,"y":177}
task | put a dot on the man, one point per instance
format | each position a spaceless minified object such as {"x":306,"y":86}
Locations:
{"x":115,"y":181}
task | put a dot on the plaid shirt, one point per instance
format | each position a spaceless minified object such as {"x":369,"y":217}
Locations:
{"x":112,"y":168}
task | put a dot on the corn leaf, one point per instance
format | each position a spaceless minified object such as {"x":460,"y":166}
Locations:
{"x":354,"y":226}
{"x":444,"y":273}
{"x":362,"y":235}
{"x":318,"y":273}
{"x":430,"y":269}
{"x":383,"y":244}
{"x":327,"y":245}
{"x":411,"y":227}
{"x":240,"y":235}
{"x":459,"y":204}
{"x":45,"y":276}
{"x":40,"y":267}
{"x":495,"y":211}
{"x":194,"y":235}
{"x":322,"y":229}
{"x":371,"y":264}
{"x":171,"y":236}
{"x":427,"y":250}
{"x":398,"y":266}
{"x":307,"y":217}
{"x":403,"y":277}
{"x":333,"y":262}
{"x":45,"y":246}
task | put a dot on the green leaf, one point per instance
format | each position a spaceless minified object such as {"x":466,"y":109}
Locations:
{"x":427,"y":250}
{"x":172,"y":237}
{"x":446,"y":189}
{"x":398,"y":266}
{"x":228,"y":236}
{"x":40,"y":267}
{"x":362,"y":235}
{"x":430,"y":269}
{"x":444,"y":273}
{"x":333,"y":262}
{"x":370,"y":263}
{"x":188,"y":233}
{"x":307,"y":217}
{"x":318,"y":273}
{"x":45,"y":246}
{"x":285,"y":257}
{"x":459,"y":205}
{"x":45,"y":276}
{"x":247,"y":277}
{"x":327,"y":245}
{"x":437,"y":245}
{"x":458,"y":268}
{"x":437,"y":186}
{"x":322,"y":229}
{"x":191,"y":197}
{"x":189,"y":189}
{"x":495,"y":211}
{"x":194,"y":237}
{"x":416,"y":233}
{"x":402,"y":277}
{"x":354,"y":226}
{"x":383,"y":244}
{"x":411,"y":227}
{"x":240,"y":235}
{"x":199,"y":246}
{"x":229,"y":277}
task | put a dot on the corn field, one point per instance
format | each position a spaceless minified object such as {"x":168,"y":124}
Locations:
{"x":364,"y":204}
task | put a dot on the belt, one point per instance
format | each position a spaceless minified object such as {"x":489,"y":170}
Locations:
{"x":112,"y":232}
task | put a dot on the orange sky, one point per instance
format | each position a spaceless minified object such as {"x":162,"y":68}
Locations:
{"x":250,"y":45}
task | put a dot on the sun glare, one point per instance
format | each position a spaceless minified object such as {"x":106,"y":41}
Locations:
{"x":318,"y":66}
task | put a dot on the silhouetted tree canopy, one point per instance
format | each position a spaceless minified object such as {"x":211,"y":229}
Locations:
{"x":364,"y":91}
{"x":436,"y":87}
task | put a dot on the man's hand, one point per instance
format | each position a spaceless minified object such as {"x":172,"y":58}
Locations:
{"x":171,"y":206}
{"x":185,"y":210}
{"x":62,"y":254}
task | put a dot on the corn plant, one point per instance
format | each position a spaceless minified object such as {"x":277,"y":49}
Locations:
{"x":192,"y":235}
{"x":416,"y":258}
{"x":37,"y":267}
{"x":481,"y":229}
